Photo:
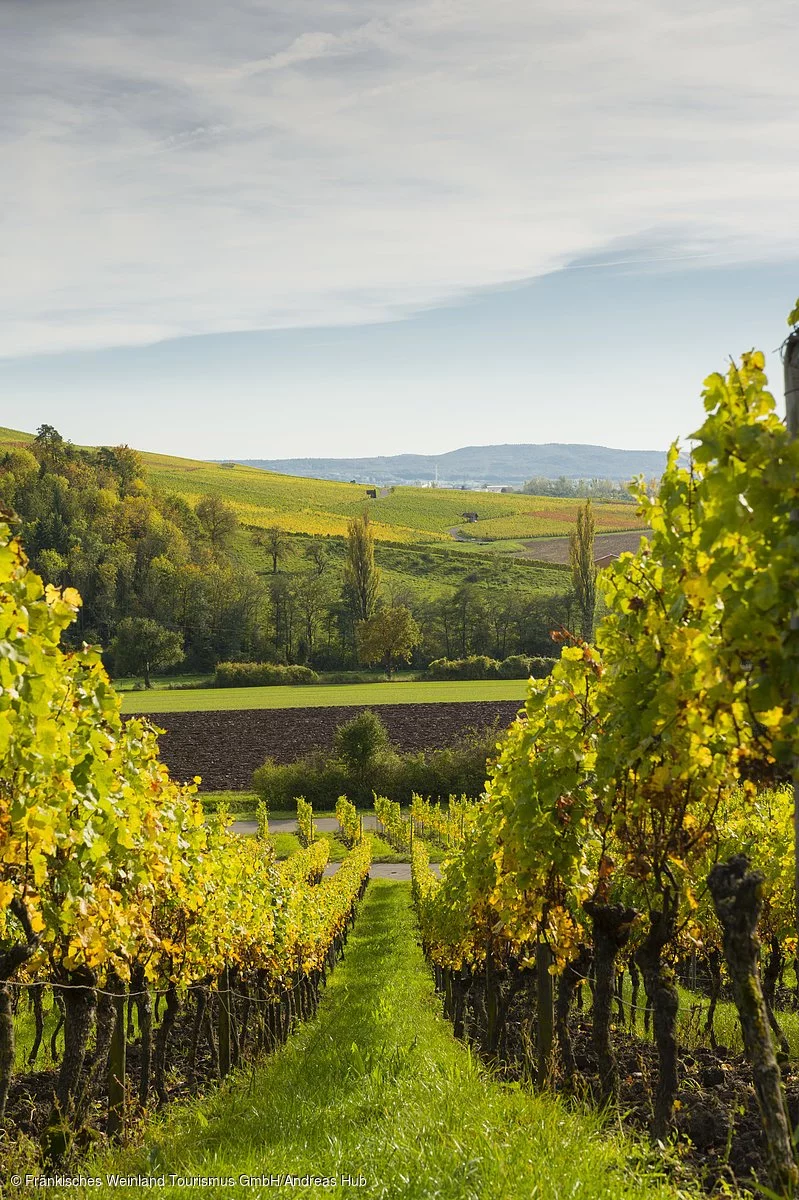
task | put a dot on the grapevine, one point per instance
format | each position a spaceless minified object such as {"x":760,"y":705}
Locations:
{"x":112,"y":883}
{"x":630,"y":771}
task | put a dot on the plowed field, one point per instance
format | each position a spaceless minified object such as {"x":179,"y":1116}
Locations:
{"x":226,"y":747}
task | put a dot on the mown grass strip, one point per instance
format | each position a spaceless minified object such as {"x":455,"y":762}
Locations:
{"x":377,"y":1088}
{"x":322,"y":695}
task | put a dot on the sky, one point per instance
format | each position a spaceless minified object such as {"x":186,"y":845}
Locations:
{"x":279,"y":228}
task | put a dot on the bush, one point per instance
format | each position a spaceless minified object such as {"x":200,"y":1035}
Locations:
{"x":458,"y":769}
{"x":261,"y":674}
{"x":360,"y":741}
{"x":373,"y":765}
{"x":478,"y":666}
{"x":315,"y":777}
{"x":518,"y":666}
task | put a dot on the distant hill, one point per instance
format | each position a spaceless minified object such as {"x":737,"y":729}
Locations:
{"x":509,"y":464}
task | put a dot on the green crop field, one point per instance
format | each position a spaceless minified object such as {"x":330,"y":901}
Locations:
{"x":322,"y":695}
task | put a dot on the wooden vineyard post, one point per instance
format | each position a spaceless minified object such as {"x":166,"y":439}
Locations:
{"x":223,"y":1022}
{"x":546,"y":1012}
{"x":117,"y":1054}
{"x":791,"y":364}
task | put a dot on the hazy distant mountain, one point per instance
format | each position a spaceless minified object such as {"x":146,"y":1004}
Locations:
{"x":512,"y":465}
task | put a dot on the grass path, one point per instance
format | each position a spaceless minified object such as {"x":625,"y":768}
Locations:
{"x":327,"y":695}
{"x":378,"y":1089}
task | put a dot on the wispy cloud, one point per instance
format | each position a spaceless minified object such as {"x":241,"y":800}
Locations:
{"x":183,"y":167}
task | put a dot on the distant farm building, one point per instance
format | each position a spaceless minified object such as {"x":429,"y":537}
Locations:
{"x":471,"y":517}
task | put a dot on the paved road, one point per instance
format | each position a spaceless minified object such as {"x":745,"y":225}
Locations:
{"x":323,"y":824}
{"x":378,"y":870}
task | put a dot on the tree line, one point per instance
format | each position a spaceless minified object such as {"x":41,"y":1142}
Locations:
{"x":166,"y":585}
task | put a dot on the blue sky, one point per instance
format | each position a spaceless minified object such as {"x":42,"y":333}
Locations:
{"x":361,"y":226}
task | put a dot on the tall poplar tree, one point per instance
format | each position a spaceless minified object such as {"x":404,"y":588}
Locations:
{"x":581,"y":557}
{"x":361,"y":576}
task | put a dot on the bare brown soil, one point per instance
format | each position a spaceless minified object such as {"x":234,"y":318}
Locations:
{"x":556,"y":550}
{"x":717,"y":1136}
{"x":717,"y":1124}
{"x":224,"y":748}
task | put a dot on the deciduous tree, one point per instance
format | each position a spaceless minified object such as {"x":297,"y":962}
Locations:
{"x":388,"y":637}
{"x":218,"y":518}
{"x":581,"y":557}
{"x":361,"y":576}
{"x":142,"y":646}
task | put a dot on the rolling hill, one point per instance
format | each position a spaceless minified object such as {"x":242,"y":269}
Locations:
{"x":403,"y":516}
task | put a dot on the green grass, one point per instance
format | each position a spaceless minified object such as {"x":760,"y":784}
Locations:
{"x":429,"y":569}
{"x":285,"y":844}
{"x":693,"y":1013}
{"x":240,"y":803}
{"x":383,"y":852}
{"x":321,"y":696}
{"x":691,"y":1018}
{"x":130,"y":683}
{"x":25,"y":1033}
{"x":377,"y":1087}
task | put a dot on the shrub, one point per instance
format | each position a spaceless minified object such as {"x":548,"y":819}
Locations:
{"x":360,"y":741}
{"x":315,"y":777}
{"x":458,"y":769}
{"x":261,"y":674}
{"x":520,"y":666}
{"x":478,"y":666}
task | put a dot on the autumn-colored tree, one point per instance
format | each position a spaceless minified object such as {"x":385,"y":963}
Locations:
{"x":388,"y":637}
